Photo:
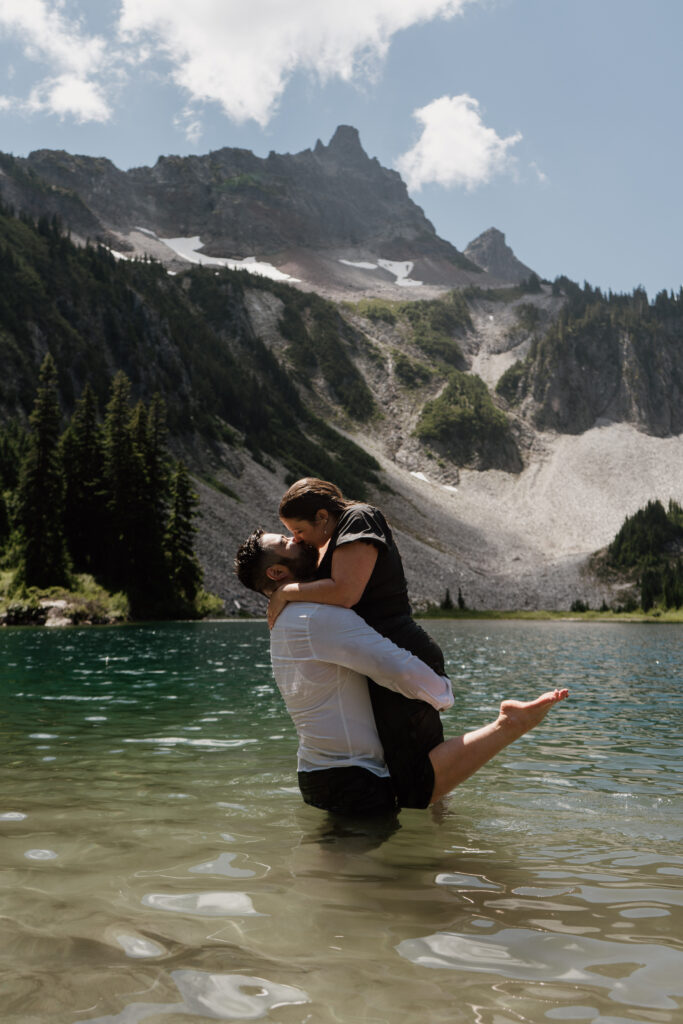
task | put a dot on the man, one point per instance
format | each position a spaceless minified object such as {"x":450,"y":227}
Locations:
{"x":321,"y":656}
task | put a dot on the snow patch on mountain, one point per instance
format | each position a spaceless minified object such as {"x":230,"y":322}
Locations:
{"x":400,"y":270}
{"x":188,"y":249}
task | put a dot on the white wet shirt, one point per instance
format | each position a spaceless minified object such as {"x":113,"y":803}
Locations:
{"x":321,"y":655}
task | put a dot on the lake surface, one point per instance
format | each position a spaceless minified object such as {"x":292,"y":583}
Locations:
{"x":157,"y":863}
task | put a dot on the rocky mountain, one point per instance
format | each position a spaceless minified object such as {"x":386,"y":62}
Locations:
{"x":505,"y":424}
{"x":490,"y":252}
{"x":328,"y":216}
{"x":616,"y":358}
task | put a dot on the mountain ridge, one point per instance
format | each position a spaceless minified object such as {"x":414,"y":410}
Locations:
{"x":329,"y":217}
{"x":475,"y":413}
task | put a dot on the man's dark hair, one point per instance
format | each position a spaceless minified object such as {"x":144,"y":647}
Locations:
{"x":252,"y":561}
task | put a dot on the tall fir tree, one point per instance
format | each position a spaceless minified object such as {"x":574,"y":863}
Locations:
{"x":12,"y":447}
{"x":119,"y":471}
{"x":148,"y":582}
{"x":156,"y":456}
{"x":183,"y":566}
{"x":84,"y":501}
{"x":135,"y":503}
{"x":4,"y":522}
{"x":672,"y":585}
{"x":42,"y":553}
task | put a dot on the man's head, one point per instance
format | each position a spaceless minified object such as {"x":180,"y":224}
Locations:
{"x":267,"y":560}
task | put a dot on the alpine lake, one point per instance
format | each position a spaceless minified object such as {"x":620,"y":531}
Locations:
{"x":157,"y":863}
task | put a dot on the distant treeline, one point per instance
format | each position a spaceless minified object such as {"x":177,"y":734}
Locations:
{"x":651,"y":543}
{"x":604,"y":354}
{"x":103,"y":498}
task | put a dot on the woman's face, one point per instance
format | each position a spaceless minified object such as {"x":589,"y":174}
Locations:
{"x":316,"y":533}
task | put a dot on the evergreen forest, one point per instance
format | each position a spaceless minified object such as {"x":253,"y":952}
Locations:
{"x":649,"y":545}
{"x":104,"y":499}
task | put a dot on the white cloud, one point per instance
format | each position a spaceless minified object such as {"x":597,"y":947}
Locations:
{"x":190,"y":125}
{"x":74,"y":58}
{"x":236,"y":54}
{"x":241,"y":55}
{"x":69,"y":94}
{"x":456,"y":147}
{"x":541,"y":175}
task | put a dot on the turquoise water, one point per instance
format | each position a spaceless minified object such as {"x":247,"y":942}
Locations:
{"x":157,"y":863}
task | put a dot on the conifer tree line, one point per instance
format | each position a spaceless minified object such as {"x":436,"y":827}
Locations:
{"x":103,"y":497}
{"x":650,"y":542}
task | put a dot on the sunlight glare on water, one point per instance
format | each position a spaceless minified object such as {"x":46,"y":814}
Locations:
{"x":158,"y":863}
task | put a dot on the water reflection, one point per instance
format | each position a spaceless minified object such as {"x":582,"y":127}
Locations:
{"x":206,"y":904}
{"x":223,"y":865}
{"x":217,"y":996}
{"x":648,"y":975}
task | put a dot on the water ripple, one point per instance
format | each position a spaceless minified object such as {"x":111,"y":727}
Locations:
{"x":206,"y":904}
{"x":521,"y":953}
{"x":219,"y":996}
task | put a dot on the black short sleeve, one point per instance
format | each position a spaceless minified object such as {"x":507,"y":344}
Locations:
{"x":363,"y":522}
{"x":386,"y":593}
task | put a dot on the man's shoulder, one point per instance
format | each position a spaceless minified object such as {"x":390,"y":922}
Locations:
{"x":316,"y":626}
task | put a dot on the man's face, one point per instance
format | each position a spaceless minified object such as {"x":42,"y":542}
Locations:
{"x":300,"y":559}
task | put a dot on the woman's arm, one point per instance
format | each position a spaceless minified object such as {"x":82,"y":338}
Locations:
{"x":352,"y":566}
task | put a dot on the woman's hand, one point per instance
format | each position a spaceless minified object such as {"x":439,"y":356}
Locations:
{"x":277,"y":601}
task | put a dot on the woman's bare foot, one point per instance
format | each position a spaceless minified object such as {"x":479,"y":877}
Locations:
{"x":519,"y":716}
{"x":458,"y":758}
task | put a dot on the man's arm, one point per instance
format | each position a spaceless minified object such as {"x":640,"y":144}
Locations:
{"x":340,"y":636}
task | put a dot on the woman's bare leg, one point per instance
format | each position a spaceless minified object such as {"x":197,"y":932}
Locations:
{"x":458,"y":758}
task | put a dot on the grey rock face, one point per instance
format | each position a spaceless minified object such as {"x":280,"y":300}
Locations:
{"x":490,"y":252}
{"x":333,"y":196}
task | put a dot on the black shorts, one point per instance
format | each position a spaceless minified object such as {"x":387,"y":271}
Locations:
{"x":409,"y":729}
{"x":353,"y":791}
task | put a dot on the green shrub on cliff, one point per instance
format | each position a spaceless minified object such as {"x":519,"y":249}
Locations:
{"x":435,"y":325}
{"x":466,"y":425}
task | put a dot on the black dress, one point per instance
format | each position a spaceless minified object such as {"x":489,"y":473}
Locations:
{"x":408,"y":729}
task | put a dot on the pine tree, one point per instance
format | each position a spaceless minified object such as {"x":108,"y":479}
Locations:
{"x":84,"y":503}
{"x":12,"y":447}
{"x":650,"y":588}
{"x":43,"y":559}
{"x":147,"y":501}
{"x":156,"y":456}
{"x":119,"y":473}
{"x":4,"y":522}
{"x":183,"y":566}
{"x":137,"y":493}
{"x":673,"y":585}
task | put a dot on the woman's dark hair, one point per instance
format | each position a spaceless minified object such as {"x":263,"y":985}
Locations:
{"x":306,"y":496}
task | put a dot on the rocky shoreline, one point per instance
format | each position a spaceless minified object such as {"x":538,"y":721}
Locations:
{"x":56,"y":612}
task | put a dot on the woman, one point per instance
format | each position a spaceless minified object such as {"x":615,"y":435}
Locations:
{"x":360,"y":567}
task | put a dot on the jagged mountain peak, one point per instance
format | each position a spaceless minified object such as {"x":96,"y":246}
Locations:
{"x":331,"y":217}
{"x":491,"y":252}
{"x":345,"y":144}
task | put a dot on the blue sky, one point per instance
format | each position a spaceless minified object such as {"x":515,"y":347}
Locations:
{"x":556,"y":121}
